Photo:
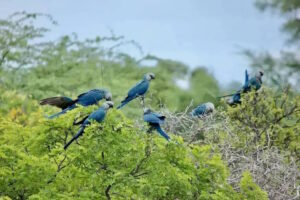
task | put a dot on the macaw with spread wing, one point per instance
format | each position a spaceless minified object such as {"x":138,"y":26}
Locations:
{"x":85,"y":99}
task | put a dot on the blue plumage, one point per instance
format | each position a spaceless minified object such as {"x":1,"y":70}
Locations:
{"x":98,"y":115}
{"x":203,"y":109}
{"x":139,"y":90}
{"x":71,"y":107}
{"x":155,"y":120}
{"x":85,"y":99}
{"x":254,"y":82}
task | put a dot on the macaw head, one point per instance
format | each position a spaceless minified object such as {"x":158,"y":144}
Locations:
{"x":149,"y":76}
{"x":108,"y":104}
{"x":209,"y":107}
{"x":147,"y":110}
{"x":259,"y":74}
{"x":108,"y":96}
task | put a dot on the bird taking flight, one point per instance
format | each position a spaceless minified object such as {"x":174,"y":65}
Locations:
{"x":139,"y":90}
{"x":203,"y":109}
{"x":98,"y":115}
{"x":155,"y":120}
{"x":85,"y":99}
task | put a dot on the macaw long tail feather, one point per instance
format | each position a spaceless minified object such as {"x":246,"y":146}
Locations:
{"x":161,"y":132}
{"x":56,"y":115}
{"x":125,"y":101}
{"x":80,"y":132}
{"x":62,"y":112}
{"x":228,"y":95}
{"x":122,"y":104}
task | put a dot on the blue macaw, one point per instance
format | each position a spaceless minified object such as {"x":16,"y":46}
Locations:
{"x":98,"y":115}
{"x":203,"y":109}
{"x":139,"y":90}
{"x":85,"y":99}
{"x":155,"y":120}
{"x":255,"y":82}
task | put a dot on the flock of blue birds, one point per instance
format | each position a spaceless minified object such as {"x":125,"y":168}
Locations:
{"x":154,"y":120}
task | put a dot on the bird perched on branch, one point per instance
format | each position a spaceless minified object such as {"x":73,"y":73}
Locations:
{"x":98,"y":115}
{"x":255,"y":82}
{"x":85,"y":99}
{"x":203,"y":109}
{"x":155,"y":120}
{"x":139,"y":90}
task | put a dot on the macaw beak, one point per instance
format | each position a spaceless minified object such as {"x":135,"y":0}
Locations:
{"x":261,"y":73}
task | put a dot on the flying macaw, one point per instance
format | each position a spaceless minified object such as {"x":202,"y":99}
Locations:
{"x":255,"y":82}
{"x":155,"y":120}
{"x":139,"y":90}
{"x":85,"y":99}
{"x":98,"y":115}
{"x":203,"y":109}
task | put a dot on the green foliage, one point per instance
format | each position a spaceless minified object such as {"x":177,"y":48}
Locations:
{"x":112,"y":160}
{"x":250,"y":190}
{"x":260,"y":136}
{"x":269,"y":119}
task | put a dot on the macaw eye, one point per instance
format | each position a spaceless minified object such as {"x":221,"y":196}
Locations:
{"x":261,"y":73}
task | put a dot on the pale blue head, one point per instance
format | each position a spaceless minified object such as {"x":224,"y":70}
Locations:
{"x":259,"y":75}
{"x":107,"y":105}
{"x":149,"y":76}
{"x":147,"y":110}
{"x":107,"y":95}
{"x":209,"y":107}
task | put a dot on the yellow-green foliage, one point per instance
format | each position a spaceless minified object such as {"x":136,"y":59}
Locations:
{"x":250,"y":190}
{"x":268,"y":119}
{"x":112,"y":160}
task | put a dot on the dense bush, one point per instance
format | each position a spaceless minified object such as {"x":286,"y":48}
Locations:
{"x":112,"y":160}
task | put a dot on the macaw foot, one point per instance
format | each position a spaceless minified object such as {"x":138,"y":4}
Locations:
{"x":143,"y":101}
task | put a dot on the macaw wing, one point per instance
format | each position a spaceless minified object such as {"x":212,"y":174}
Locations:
{"x":255,"y":82}
{"x":246,"y":77}
{"x":91,"y":97}
{"x":60,"y":102}
{"x":97,"y":115}
{"x":152,"y":118}
{"x":90,"y":92}
{"x":160,"y":116}
{"x":139,"y":89}
{"x":200,"y":110}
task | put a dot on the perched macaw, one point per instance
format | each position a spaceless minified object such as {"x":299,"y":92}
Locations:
{"x":203,"y":109}
{"x":155,"y":120}
{"x":255,"y":82}
{"x":139,"y":90}
{"x":85,"y":99}
{"x":97,"y":115}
